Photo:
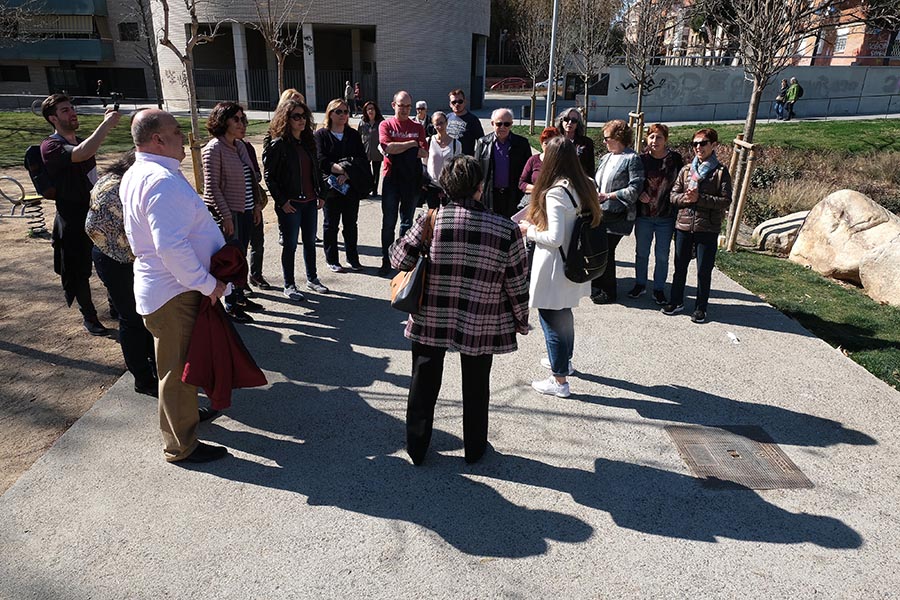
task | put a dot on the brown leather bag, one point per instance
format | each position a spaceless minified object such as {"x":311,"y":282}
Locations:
{"x":408,"y":287}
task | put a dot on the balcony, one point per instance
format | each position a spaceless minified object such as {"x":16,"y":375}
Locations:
{"x":66,"y":7}
{"x":60,"y":49}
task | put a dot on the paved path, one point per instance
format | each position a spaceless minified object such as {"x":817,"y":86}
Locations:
{"x":580,"y":498}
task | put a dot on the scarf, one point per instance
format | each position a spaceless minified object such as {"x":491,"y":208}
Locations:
{"x":703,"y":170}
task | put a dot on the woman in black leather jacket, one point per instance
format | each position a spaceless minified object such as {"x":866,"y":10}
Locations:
{"x":291,"y":167}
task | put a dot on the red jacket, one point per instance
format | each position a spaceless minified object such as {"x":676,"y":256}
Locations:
{"x":217,"y":359}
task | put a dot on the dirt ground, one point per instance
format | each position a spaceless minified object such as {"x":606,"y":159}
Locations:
{"x":51,"y":370}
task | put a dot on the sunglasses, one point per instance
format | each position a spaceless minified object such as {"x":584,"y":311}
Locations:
{"x":297,"y":116}
{"x":571,"y":119}
{"x":457,"y":102}
{"x":700,"y":144}
{"x":503,"y":123}
{"x":340,"y":111}
{"x":238,"y":119}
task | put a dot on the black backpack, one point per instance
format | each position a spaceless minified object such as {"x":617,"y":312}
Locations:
{"x":799,"y":91}
{"x":588,"y":248}
{"x":37,"y":170}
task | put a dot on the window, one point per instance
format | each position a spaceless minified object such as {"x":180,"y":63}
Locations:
{"x":840,"y":43}
{"x":129,"y":32}
{"x":14,"y":73}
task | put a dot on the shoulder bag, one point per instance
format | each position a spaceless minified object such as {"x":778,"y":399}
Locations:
{"x":408,"y":287}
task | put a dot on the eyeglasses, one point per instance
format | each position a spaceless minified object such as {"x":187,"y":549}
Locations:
{"x":502,"y":123}
{"x":297,"y":116}
{"x":241,"y":119}
{"x":457,"y":102}
{"x":340,"y":111}
{"x":403,"y":105}
{"x":571,"y":119}
{"x":699,"y":143}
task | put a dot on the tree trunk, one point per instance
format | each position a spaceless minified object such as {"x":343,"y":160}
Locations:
{"x":533,"y":103}
{"x":734,"y":219}
{"x":279,"y":56}
{"x":195,"y":120}
{"x":752,"y":110}
{"x":154,"y":66}
{"x":586,"y":101}
{"x":640,"y":97}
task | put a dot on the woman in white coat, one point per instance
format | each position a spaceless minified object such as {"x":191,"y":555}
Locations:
{"x":561,"y":193}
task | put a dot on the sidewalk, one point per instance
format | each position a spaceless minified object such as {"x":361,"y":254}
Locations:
{"x":584,"y":497}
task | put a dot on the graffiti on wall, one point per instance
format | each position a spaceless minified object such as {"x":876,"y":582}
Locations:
{"x":649,"y":87}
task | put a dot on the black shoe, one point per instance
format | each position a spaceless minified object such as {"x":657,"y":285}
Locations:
{"x":637,"y":291}
{"x":660,"y":298}
{"x":238,"y":315}
{"x":250,"y":306}
{"x":94,"y":327}
{"x":699,"y":316}
{"x":671,"y":309}
{"x":205,"y":453}
{"x":148,"y":388}
{"x":249,"y":293}
{"x":113,"y":313}
{"x":356,"y":266}
{"x":602,"y":298}
{"x":259,"y":281}
{"x":206,"y":413}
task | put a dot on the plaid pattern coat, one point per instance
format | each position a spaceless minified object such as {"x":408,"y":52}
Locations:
{"x":476,"y":289}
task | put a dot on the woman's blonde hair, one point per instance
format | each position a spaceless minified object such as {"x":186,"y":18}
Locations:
{"x":561,"y":162}
{"x":332,"y":106}
{"x":291,"y":94}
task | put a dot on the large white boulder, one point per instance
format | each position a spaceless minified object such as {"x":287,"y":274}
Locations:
{"x":778,"y":235}
{"x":839,"y":231}
{"x":879,"y":272}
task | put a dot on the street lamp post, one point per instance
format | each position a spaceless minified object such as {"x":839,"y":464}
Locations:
{"x":551,"y":79}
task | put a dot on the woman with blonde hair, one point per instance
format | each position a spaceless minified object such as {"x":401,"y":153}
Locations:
{"x":561,"y":193}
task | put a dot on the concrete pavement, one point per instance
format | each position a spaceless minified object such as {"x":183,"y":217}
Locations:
{"x":584,"y":497}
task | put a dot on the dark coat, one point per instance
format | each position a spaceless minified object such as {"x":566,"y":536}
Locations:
{"x":349,"y":153}
{"x":707,"y":213}
{"x":217,"y":359}
{"x":519,"y":153}
{"x":281,"y":169}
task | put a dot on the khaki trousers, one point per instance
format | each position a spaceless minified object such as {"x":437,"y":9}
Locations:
{"x":171,"y":327}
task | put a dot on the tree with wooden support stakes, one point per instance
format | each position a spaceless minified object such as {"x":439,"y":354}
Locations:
{"x":196,"y":34}
{"x":278,"y":24}
{"x":595,"y":38}
{"x":770,"y":35}
{"x":531,"y":25}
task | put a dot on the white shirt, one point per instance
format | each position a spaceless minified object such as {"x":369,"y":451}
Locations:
{"x":609,"y":169}
{"x":170,"y":230}
{"x":438,"y":156}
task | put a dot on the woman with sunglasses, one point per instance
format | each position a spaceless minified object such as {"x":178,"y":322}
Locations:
{"x":702,"y":194}
{"x":291,"y":167}
{"x":345,"y":170}
{"x":229,"y":189}
{"x":620,"y":179}
{"x":572,"y":127}
{"x":368,"y":130}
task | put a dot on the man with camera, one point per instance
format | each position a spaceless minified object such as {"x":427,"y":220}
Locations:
{"x":72,"y":168}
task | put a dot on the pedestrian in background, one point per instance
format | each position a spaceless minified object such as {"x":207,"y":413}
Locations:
{"x":368,"y":130}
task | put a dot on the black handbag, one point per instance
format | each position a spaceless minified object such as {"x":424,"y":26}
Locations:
{"x":408,"y":287}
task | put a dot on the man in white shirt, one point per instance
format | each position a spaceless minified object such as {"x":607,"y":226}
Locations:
{"x":173,"y":238}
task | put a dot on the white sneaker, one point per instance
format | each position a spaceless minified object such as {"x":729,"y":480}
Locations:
{"x":291,"y":292}
{"x":545,"y":362}
{"x":316,"y":286}
{"x":551,"y":387}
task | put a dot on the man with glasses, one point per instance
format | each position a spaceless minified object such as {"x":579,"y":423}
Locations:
{"x":463,"y":125}
{"x":402,"y":142}
{"x":502,"y":155}
{"x":423,"y":119}
{"x":70,"y":163}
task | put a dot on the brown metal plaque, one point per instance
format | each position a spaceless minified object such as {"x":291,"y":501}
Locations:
{"x":730,"y":456}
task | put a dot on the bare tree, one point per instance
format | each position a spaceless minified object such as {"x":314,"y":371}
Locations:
{"x":531,"y":26}
{"x":646,"y":24}
{"x":594,"y":35}
{"x":140,"y":11}
{"x":280,"y":28}
{"x":18,"y":22}
{"x":197,"y":34}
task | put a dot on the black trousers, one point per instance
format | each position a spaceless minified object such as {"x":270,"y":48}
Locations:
{"x":338,"y":209}
{"x":257,"y":247}
{"x":427,"y":372}
{"x":136,"y":341}
{"x":505,"y":201}
{"x":607,"y":281}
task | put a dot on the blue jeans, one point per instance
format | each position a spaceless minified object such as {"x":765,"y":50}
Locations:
{"x":303,"y":221}
{"x":706,"y":243}
{"x":559,"y":333}
{"x":644,"y":230}
{"x":396,"y":196}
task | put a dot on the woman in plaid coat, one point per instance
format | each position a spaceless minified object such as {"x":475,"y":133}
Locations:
{"x":476,"y":300}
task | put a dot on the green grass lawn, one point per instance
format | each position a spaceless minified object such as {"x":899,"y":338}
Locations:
{"x":842,"y":136}
{"x":868,"y":332}
{"x":18,"y":130}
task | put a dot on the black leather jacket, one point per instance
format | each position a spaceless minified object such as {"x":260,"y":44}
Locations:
{"x":281,"y":169}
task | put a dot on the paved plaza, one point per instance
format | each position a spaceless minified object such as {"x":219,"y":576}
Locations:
{"x":584,"y":497}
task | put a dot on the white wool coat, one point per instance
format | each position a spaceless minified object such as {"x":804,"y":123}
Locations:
{"x":550,"y":288}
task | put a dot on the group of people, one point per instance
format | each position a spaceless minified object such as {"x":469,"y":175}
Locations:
{"x":787,"y":97}
{"x":498,"y":221}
